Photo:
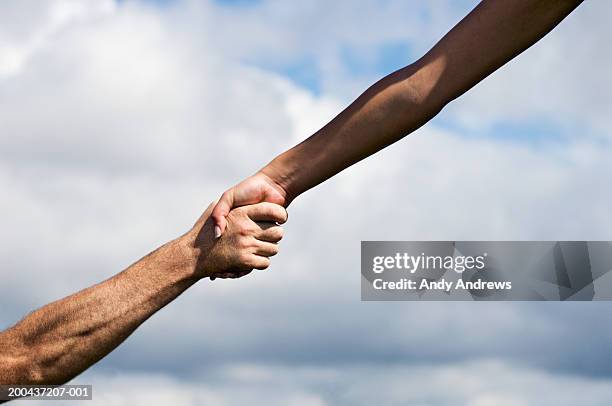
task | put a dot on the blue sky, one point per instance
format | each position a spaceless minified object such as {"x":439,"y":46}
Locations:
{"x":367,"y":62}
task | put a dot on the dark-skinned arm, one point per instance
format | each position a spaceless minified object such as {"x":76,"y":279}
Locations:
{"x":492,"y":34}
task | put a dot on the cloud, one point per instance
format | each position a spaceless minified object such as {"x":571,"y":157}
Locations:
{"x":323,"y":38}
{"x":562,"y":80}
{"x":472,"y":384}
{"x":123,"y":122}
{"x":24,"y":32}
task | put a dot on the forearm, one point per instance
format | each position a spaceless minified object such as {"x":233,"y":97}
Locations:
{"x":383,"y":114}
{"x":491,"y":35}
{"x":57,"y":342}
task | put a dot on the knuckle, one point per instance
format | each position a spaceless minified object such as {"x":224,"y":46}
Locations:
{"x":242,"y":210}
{"x":244,"y":258}
{"x":275,"y":210}
{"x":242,"y":243}
{"x":243,"y":228}
{"x":225,"y":196}
{"x":283,"y":215}
{"x":267,"y":209}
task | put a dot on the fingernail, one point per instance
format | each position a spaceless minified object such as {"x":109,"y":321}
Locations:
{"x":217,"y":231}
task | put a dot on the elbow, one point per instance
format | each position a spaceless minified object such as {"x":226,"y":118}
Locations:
{"x":417,"y":90}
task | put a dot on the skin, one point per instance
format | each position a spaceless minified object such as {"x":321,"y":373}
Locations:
{"x":60,"y":340}
{"x":492,"y":34}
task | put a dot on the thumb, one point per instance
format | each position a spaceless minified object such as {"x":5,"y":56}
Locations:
{"x":221,"y":210}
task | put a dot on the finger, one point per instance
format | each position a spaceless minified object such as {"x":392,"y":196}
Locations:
{"x":221,"y":210}
{"x":267,"y":212}
{"x":259,"y":262}
{"x":232,"y":274}
{"x":270,"y":232}
{"x":206,"y":213}
{"x":266,"y":249}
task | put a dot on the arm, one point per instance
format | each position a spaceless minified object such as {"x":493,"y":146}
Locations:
{"x":492,"y":34}
{"x":57,"y":342}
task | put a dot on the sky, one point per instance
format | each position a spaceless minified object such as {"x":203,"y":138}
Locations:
{"x":121,"y":121}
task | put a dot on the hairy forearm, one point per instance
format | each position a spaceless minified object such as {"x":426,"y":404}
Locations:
{"x":57,"y":342}
{"x":491,"y":35}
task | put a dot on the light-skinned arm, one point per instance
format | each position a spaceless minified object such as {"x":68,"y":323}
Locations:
{"x":60,"y":340}
{"x":492,"y":34}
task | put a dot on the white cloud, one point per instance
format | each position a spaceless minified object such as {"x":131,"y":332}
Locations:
{"x":28,"y":26}
{"x":282,"y":33}
{"x":471,"y":384}
{"x":564,"y":79}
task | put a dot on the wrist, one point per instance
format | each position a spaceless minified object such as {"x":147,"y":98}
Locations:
{"x":280,"y":174}
{"x":181,"y":258}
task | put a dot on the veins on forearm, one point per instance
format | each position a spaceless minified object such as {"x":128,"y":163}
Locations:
{"x":59,"y":341}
